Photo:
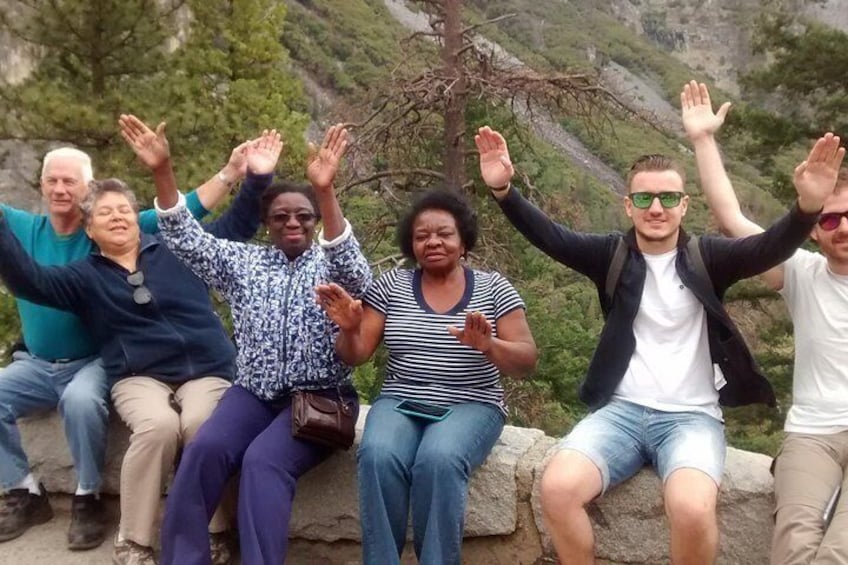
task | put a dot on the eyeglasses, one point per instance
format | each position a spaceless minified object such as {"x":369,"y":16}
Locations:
{"x":283,"y":217}
{"x":645,"y":199}
{"x":831,"y":220}
{"x":141,"y":294}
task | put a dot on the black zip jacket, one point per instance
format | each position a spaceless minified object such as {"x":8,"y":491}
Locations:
{"x":727,"y":261}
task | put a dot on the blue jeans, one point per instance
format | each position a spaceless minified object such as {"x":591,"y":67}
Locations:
{"x":622,"y":437}
{"x":79,"y":389}
{"x":403,"y":458}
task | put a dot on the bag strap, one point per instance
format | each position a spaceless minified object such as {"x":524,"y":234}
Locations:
{"x":698,"y":259}
{"x":619,"y":256}
{"x":345,"y":405}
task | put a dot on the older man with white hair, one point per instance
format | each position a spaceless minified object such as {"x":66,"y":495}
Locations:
{"x":60,"y":367}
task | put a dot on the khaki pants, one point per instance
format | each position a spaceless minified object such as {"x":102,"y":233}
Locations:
{"x":807,"y":471}
{"x":158,"y":431}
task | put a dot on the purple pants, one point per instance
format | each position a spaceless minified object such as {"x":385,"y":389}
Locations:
{"x":248,"y":434}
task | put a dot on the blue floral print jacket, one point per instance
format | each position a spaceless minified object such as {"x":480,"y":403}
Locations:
{"x":285,"y":341}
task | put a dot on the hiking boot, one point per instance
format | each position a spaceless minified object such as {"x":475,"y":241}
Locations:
{"x":21,"y":509}
{"x":88,"y":522}
{"x":221,"y":547}
{"x":128,"y":552}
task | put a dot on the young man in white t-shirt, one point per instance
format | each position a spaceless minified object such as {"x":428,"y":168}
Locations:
{"x":651,"y":384}
{"x":811,"y":465}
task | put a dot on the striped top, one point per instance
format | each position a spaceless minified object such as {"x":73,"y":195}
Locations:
{"x":425,"y":361}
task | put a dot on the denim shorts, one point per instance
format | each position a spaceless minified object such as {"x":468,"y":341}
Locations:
{"x":623,"y":437}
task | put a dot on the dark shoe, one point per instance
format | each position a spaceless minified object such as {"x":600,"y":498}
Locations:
{"x":20,"y":510}
{"x":88,"y":522}
{"x":221,"y":546}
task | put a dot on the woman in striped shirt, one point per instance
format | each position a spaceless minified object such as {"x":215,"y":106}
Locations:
{"x":450,"y":332}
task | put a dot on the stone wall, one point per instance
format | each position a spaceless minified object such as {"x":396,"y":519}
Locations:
{"x":503,"y":519}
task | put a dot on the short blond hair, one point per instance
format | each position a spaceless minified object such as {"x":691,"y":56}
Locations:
{"x":72,"y":153}
{"x":654,"y":163}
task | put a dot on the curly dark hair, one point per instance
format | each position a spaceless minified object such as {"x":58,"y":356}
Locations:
{"x":278,"y":188}
{"x":446,"y":200}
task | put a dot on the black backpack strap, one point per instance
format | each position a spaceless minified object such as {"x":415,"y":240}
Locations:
{"x":698,"y":260}
{"x":619,"y":256}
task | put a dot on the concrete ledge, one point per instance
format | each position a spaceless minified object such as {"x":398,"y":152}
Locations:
{"x":503,"y":518}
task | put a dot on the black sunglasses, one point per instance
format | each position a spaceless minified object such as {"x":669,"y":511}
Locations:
{"x":283,"y":217}
{"x":831,"y":220}
{"x":645,"y":199}
{"x":141,"y":294}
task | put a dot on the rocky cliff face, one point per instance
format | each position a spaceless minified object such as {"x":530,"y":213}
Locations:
{"x":19,"y":163}
{"x":713,"y":36}
{"x":16,"y":58}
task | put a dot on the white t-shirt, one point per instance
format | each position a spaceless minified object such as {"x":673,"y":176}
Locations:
{"x":670,"y":369}
{"x":818,"y":303}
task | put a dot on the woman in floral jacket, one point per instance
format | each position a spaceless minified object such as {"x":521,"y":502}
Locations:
{"x":285,"y":343}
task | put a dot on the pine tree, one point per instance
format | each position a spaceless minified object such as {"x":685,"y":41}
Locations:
{"x":806,"y":72}
{"x":97,"y":58}
{"x":214,"y":70}
{"x":231,"y":80}
{"x":223,"y":83}
{"x":801,"y":92}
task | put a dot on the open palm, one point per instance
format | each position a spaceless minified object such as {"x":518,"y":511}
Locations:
{"x":477,"y":332}
{"x":151,"y":147}
{"x":495,"y":165}
{"x":696,"y":108}
{"x":324,"y":160}
{"x":236,"y":166}
{"x":340,"y":307}
{"x":264,"y":152}
{"x":815,"y":178}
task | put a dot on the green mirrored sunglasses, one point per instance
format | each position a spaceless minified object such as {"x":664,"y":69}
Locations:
{"x":645,"y":199}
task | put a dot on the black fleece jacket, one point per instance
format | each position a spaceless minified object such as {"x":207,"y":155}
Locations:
{"x":727,"y":261}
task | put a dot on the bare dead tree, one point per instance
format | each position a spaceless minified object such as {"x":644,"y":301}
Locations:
{"x":423,"y":104}
{"x":454,"y":91}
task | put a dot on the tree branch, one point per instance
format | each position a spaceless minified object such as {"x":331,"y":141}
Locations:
{"x":391,"y":173}
{"x":470,"y":28}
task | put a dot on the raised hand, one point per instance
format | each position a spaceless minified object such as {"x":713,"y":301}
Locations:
{"x":495,"y":165}
{"x":263,"y":152}
{"x":236,"y":167}
{"x":323,"y":163}
{"x":696,"y":109}
{"x":815,"y":177}
{"x":150,"y":147}
{"x":342,"y":309}
{"x":477,"y":332}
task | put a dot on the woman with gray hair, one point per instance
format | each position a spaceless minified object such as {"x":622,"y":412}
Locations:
{"x":160,"y":339}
